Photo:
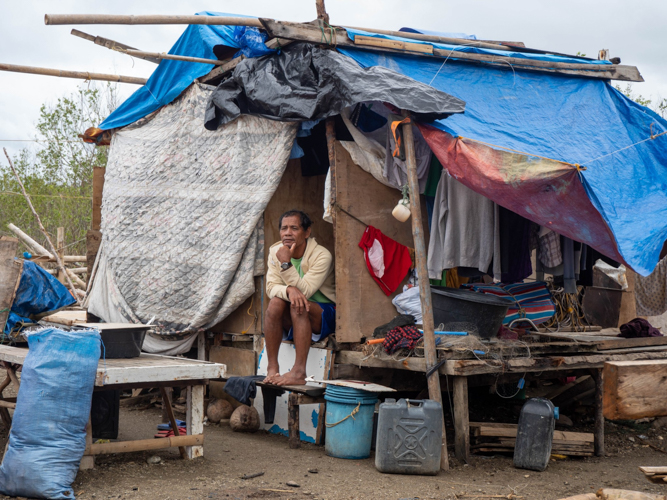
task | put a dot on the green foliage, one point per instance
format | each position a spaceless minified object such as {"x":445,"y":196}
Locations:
{"x":58,"y":173}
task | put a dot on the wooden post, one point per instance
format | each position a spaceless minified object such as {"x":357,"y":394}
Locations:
{"x":321,"y":11}
{"x":60,"y":250}
{"x":98,"y":189}
{"x":424,"y":287}
{"x":166,"y":401}
{"x":165,"y":415}
{"x":293,"y":420}
{"x":598,"y":437}
{"x":195,"y":417}
{"x":88,"y":460}
{"x":201,"y":346}
{"x":331,"y":139}
{"x":461,"y":419}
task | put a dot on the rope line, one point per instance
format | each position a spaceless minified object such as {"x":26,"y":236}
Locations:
{"x":352,"y":414}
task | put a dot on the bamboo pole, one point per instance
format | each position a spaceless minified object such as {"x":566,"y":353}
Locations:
{"x":162,"y":55}
{"x":80,"y":75}
{"x":110,"y":44}
{"x":35,"y":247}
{"x":430,"y":353}
{"x":60,"y":264}
{"x":146,"y":444}
{"x":436,"y":39}
{"x":68,"y":258}
{"x":59,"y":19}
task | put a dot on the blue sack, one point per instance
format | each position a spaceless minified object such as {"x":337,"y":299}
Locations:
{"x":48,"y":434}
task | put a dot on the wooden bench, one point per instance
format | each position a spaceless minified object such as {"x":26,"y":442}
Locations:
{"x":298,"y":395}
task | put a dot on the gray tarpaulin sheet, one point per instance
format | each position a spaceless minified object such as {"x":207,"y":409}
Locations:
{"x":182,"y":235}
{"x":306,"y":82}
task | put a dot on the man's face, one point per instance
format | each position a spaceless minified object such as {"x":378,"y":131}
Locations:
{"x":291,"y":231}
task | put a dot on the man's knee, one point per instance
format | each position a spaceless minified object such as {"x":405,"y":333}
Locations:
{"x":276,"y":309}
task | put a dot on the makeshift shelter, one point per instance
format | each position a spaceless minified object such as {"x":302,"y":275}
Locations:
{"x":543,"y":135}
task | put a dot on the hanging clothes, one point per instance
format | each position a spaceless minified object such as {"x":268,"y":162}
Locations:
{"x":387,"y":260}
{"x":569,"y":278}
{"x":515,"y":254}
{"x":396,"y":170}
{"x":549,"y":250}
{"x":651,"y":291}
{"x":464,"y":230}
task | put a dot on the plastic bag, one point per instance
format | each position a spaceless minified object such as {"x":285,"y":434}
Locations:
{"x":48,"y":435}
{"x":408,"y":302}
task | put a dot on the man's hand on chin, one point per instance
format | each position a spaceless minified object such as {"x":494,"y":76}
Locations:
{"x":284,"y":253}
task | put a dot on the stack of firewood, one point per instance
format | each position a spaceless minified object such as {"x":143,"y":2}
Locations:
{"x":491,"y":437}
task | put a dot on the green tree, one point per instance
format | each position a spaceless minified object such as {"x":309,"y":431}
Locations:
{"x":58,"y":172}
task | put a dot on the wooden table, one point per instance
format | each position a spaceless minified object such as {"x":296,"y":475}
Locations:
{"x":583,"y":353}
{"x":148,"y":370}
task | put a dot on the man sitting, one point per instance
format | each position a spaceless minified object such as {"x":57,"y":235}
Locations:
{"x":300,"y":284}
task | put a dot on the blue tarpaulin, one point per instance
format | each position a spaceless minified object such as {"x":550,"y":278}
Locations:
{"x":38,"y":292}
{"x":572,"y":119}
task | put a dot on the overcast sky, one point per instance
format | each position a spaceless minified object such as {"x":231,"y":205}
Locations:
{"x":636,"y":33}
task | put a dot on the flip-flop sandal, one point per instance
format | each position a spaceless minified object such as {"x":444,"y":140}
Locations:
{"x":167,"y":426}
{"x":162,"y":434}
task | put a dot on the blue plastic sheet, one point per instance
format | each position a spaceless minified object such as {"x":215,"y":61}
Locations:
{"x":173,"y":77}
{"x":48,"y":434}
{"x":38,"y":292}
{"x":577,"y":120}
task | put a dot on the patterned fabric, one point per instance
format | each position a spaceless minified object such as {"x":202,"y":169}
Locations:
{"x":401,"y":337}
{"x":533,"y":300}
{"x":182,"y":215}
{"x":651,"y":291}
{"x":549,"y":250}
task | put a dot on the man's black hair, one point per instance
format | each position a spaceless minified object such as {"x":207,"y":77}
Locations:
{"x":305,"y":220}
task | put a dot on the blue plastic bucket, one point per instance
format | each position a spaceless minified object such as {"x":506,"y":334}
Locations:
{"x":349,"y":422}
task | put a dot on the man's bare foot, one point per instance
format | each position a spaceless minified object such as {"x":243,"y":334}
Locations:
{"x":292,"y":378}
{"x":271,"y":378}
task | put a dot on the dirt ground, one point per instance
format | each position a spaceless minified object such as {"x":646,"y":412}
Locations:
{"x":229,"y":455}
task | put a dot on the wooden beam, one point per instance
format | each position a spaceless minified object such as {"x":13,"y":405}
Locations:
{"x":486,"y":366}
{"x":430,"y":354}
{"x":438,"y":39}
{"x":79,"y":75}
{"x":110,"y":44}
{"x":162,"y":55}
{"x":338,"y":37}
{"x":34,"y":246}
{"x":462,"y":419}
{"x":146,"y":444}
{"x":60,"y":19}
{"x":422,"y":48}
{"x":635,"y":389}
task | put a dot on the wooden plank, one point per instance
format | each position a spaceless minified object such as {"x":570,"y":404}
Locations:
{"x":338,"y":37}
{"x":194,"y":418}
{"x":367,"y":41}
{"x":10,"y":276}
{"x":247,"y":318}
{"x":478,"y":367}
{"x":239,"y":363}
{"x":635,"y":389}
{"x":575,"y":438}
{"x":67,"y":318}
{"x":361,"y":304}
{"x":621,"y":343}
